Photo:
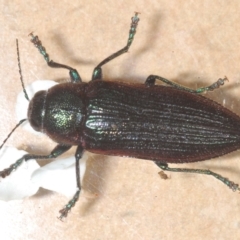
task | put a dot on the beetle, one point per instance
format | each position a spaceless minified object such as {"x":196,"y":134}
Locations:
{"x":165,"y":124}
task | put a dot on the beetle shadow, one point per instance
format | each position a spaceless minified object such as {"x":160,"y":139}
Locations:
{"x":42,"y":193}
{"x":221,"y":164}
{"x":156,"y":22}
{"x":94,"y":181}
{"x":69,"y":51}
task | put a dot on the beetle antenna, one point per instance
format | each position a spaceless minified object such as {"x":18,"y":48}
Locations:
{"x":20,"y":122}
{"x":20,"y":72}
{"x":25,"y":94}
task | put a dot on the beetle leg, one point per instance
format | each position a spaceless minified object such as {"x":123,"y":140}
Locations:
{"x":151,"y":80}
{"x":74,"y":75}
{"x":72,"y":202}
{"x":227,"y":182}
{"x":57,"y":151}
{"x":97,"y":72}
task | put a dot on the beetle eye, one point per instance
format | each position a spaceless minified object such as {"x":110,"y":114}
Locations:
{"x":36,"y":110}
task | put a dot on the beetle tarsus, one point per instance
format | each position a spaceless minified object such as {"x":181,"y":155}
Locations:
{"x":232,"y":185}
{"x":133,"y":27}
{"x":7,"y":171}
{"x":38,"y":44}
{"x":217,"y":84}
{"x":64,"y":212}
{"x":213,"y":86}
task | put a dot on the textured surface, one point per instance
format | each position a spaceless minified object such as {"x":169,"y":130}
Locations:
{"x":191,"y":42}
{"x":157,"y":123}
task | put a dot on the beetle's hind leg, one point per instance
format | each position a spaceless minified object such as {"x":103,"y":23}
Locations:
{"x":72,"y":202}
{"x":151,"y":80}
{"x":74,"y":75}
{"x":230,"y":184}
{"x":97,"y":72}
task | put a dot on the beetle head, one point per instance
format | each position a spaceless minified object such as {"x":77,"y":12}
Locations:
{"x":36,"y":110}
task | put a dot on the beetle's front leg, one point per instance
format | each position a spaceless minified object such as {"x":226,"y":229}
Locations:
{"x":57,"y":151}
{"x":151,"y":80}
{"x":74,"y":75}
{"x":230,"y":184}
{"x":72,"y":202}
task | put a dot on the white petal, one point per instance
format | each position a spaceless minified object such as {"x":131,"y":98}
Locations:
{"x":60,"y":175}
{"x":17,"y":185}
{"x":22,"y":102}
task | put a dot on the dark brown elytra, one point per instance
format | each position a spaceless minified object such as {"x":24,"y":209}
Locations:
{"x":165,"y":124}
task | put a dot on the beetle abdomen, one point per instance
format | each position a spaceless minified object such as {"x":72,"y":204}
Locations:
{"x":157,"y":123}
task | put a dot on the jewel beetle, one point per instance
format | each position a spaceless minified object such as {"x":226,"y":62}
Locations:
{"x":165,"y":124}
